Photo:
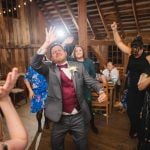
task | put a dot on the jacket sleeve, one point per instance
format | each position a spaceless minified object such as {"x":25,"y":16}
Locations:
{"x":93,"y":83}
{"x":38,"y":65}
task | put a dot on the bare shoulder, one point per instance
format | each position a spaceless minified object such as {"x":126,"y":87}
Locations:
{"x":148,"y":58}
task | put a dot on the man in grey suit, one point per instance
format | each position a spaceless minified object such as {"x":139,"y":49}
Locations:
{"x":65,"y":105}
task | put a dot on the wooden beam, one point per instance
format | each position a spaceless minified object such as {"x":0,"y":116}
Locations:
{"x":118,"y":17}
{"x":50,"y":16}
{"x":2,"y":27}
{"x":60,"y":16}
{"x":135,"y":16}
{"x":102,"y":18}
{"x":71,"y":14}
{"x":90,"y":27}
{"x":74,"y":19}
{"x":101,"y":42}
{"x":99,"y":55}
{"x":82,"y":21}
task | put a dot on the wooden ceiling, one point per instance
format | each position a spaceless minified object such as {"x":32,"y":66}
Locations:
{"x":132,"y":17}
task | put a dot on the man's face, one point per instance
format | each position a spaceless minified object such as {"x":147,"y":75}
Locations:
{"x":58,"y":54}
{"x":110,"y":66}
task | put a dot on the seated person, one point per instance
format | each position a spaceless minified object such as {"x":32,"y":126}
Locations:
{"x":111,"y":73}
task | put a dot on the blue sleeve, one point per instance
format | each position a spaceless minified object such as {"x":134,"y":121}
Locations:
{"x":28,"y":74}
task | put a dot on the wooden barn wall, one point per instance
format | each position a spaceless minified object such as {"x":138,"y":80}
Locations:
{"x":15,"y":57}
{"x":26,"y":29}
{"x":20,"y":36}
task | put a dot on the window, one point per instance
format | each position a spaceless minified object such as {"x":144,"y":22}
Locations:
{"x":91,"y":55}
{"x":9,"y":8}
{"x":115,"y":55}
{"x":147,"y":48}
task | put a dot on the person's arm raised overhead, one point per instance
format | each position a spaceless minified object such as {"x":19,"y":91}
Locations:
{"x":49,"y":39}
{"x":123,"y":47}
{"x":18,"y":135}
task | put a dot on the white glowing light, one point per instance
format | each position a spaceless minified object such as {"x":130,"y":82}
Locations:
{"x":60,"y":33}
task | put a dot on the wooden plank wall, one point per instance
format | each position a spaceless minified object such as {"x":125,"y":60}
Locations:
{"x":28,"y":28}
{"x":20,"y":37}
{"x":15,"y":57}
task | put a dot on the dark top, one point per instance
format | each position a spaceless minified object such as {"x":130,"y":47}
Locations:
{"x":135,"y":67}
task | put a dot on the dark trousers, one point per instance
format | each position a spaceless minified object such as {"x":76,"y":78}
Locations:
{"x":73,"y":124}
{"x":135,"y":100}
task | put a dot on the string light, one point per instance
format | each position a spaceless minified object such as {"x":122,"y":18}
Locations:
{"x":19,"y":6}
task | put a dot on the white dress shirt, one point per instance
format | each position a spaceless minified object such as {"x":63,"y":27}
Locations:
{"x":112,"y":75}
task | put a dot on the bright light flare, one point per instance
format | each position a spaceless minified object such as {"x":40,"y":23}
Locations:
{"x":60,"y":33}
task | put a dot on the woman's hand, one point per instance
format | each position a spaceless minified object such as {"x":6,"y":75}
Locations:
{"x":144,"y":83}
{"x":68,"y":40}
{"x":114,"y":26}
{"x":9,"y":84}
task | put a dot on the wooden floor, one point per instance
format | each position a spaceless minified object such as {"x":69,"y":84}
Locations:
{"x":111,"y":137}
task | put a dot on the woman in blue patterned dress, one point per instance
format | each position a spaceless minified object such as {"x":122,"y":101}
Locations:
{"x":38,"y":87}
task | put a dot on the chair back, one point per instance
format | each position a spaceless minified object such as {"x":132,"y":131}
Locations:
{"x":103,"y":106}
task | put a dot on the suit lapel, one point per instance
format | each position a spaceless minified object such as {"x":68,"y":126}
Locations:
{"x":57,"y":73}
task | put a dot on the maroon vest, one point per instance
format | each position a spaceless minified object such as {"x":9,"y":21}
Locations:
{"x":68,"y":94}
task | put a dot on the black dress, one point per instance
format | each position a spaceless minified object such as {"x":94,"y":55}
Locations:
{"x":144,"y":134}
{"x":135,"y":98}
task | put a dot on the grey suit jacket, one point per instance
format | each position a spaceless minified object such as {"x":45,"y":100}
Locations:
{"x":53,"y":108}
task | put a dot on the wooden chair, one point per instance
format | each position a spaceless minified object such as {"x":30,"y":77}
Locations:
{"x":19,"y":92}
{"x":104,"y":106}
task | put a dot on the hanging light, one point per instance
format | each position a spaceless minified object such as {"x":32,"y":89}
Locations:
{"x":24,"y":3}
{"x":15,"y":8}
{"x":9,"y":10}
{"x":19,"y":6}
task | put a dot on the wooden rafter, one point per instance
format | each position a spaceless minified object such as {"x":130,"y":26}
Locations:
{"x":90,"y":26}
{"x":135,"y":16}
{"x":82,"y":21}
{"x":60,"y":16}
{"x":71,"y":14}
{"x":74,"y":19}
{"x":50,"y":16}
{"x":118,"y":17}
{"x":102,"y":18}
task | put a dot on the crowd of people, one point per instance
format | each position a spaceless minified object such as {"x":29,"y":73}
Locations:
{"x":62,"y":88}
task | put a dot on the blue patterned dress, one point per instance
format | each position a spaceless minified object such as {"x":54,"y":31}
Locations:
{"x":39,"y":87}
